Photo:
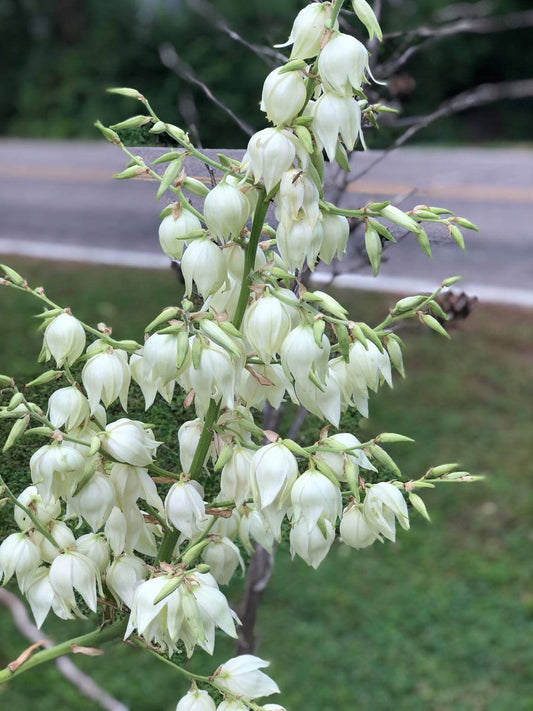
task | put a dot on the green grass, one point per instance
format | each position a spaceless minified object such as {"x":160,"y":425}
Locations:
{"x":443,"y":620}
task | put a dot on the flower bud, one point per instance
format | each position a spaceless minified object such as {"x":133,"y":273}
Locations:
{"x":64,"y":339}
{"x":342,"y":64}
{"x":284,"y":95}
{"x":172,"y":229}
{"x":185,"y":507}
{"x":127,"y":441}
{"x":226,"y":210}
{"x":203,"y":263}
{"x":69,"y":407}
{"x":336,"y":460}
{"x":367,"y":16}
{"x":105,"y":377}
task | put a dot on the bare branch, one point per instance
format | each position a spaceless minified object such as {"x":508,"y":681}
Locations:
{"x":204,"y":8}
{"x":85,"y":685}
{"x":472,"y":98}
{"x":173,"y":61}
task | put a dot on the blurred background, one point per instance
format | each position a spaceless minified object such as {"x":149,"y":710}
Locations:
{"x":443,"y":619}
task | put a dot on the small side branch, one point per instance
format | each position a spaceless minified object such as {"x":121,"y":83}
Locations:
{"x":84,"y":684}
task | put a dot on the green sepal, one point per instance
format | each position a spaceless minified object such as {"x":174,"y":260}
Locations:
{"x":463,"y":222}
{"x":341,"y":158}
{"x":132,"y":122}
{"x":305,"y":137}
{"x":457,"y":236}
{"x":432,"y":323}
{"x":196,"y":187}
{"x":343,"y":338}
{"x":327,"y":471}
{"x":166,"y":315}
{"x":45,"y":378}
{"x":384,"y":458}
{"x":319,"y":327}
{"x":223,"y":457}
{"x":182,"y":349}
{"x":371,"y":335}
{"x":12,"y":275}
{"x":419,"y":505}
{"x":16,"y":431}
{"x":169,"y":176}
{"x":167,"y":157}
{"x":126,"y":91}
{"x":391,"y":437}
{"x":108,"y":133}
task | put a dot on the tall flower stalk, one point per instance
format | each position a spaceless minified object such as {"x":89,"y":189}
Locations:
{"x":247,"y":332}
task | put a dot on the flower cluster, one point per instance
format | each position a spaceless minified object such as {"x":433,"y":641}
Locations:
{"x":249,"y":332}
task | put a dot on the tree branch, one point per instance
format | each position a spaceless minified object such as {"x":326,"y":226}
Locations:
{"x":85,"y":685}
{"x":173,"y":61}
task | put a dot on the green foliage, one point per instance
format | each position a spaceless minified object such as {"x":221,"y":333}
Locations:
{"x":59,"y":58}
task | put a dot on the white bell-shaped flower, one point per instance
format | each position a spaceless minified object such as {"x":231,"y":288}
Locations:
{"x":188,"y":437}
{"x":284,"y":95}
{"x":203,"y":263}
{"x":298,"y":242}
{"x":72,"y":571}
{"x":313,"y":497}
{"x":196,"y":700}
{"x":185,"y":507}
{"x":115,"y":530}
{"x":313,"y":546}
{"x":336,"y":233}
{"x":226,"y":210}
{"x":297,"y":198}
{"x":300,"y":354}
{"x":40,"y":594}
{"x":149,"y":383}
{"x":234,"y":256}
{"x":334,"y":115}
{"x":325,"y":402}
{"x":171,"y":229}
{"x":64,"y":339}
{"x":253,"y":527}
{"x":226,"y":298}
{"x":132,"y":483}
{"x":19,"y":555}
{"x":61,"y":534}
{"x":235,"y":477}
{"x":214,"y":377}
{"x":223,"y":558}
{"x":160,"y":355}
{"x":69,"y":407}
{"x":337,"y":460}
{"x":55,"y":470}
{"x":271,"y":152}
{"x":105,"y":377}
{"x":235,"y":705}
{"x":129,"y":442}
{"x":354,"y":391}
{"x":268,"y":384}
{"x":95,"y":547}
{"x":342,"y":64}
{"x":369,"y":364}
{"x":266,"y":325}
{"x":274,"y":471}
{"x":123,"y":576}
{"x":308,"y":30}
{"x":383,"y":504}
{"x":95,"y":501}
{"x":355,"y":530}
{"x":240,"y":676}
{"x":30,"y":498}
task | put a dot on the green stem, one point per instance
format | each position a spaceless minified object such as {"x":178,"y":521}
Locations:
{"x":249,"y":258}
{"x":188,"y":674}
{"x":334,"y":14}
{"x":97,"y":637}
{"x":162,"y":472}
{"x":171,"y":536}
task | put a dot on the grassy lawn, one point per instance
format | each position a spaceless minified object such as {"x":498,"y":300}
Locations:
{"x":443,"y":619}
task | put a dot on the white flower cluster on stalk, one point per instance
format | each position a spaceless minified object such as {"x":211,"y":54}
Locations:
{"x":248,"y":332}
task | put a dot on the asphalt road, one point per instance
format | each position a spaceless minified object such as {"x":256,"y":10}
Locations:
{"x":59,"y":200}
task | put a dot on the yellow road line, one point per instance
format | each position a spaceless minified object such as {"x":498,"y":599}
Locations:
{"x":481,"y":193}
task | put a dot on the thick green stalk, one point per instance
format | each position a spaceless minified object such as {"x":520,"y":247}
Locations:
{"x":334,"y":13}
{"x":97,"y":637}
{"x":249,"y":258}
